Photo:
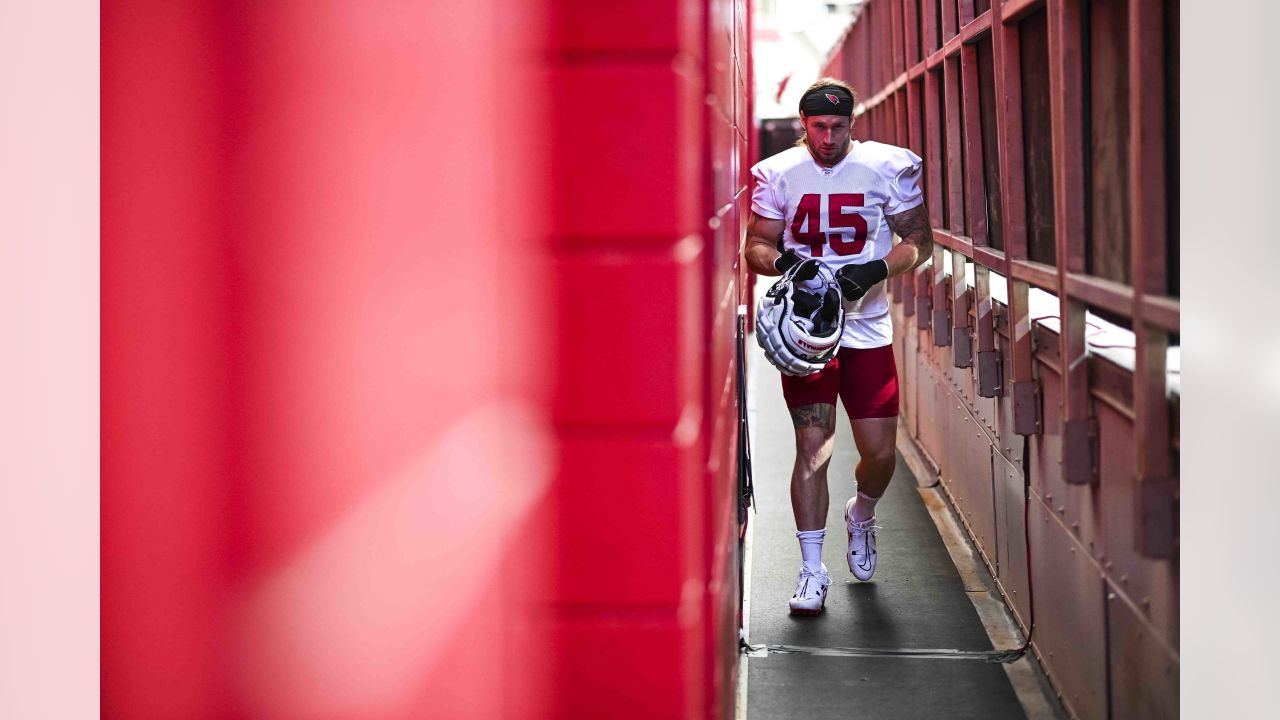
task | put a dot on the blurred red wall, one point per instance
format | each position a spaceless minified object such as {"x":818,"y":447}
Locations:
{"x":647,"y":225}
{"x":417,"y":358}
{"x":323,"y":374}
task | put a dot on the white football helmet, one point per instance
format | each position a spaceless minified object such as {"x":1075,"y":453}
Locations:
{"x":800,"y":319}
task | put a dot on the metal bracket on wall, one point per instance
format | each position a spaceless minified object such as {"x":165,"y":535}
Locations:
{"x":942,"y":317}
{"x":1026,"y":407}
{"x":1080,"y":451}
{"x":990,"y":374}
{"x":941,"y":321}
{"x":924,"y":302}
{"x":962,"y":346}
{"x":999,"y":317}
{"x":1157,"y":517}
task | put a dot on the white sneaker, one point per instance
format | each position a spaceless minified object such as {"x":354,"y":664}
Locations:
{"x":862,"y":544}
{"x":811,"y":592}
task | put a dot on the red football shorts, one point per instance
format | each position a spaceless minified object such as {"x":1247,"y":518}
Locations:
{"x":866,"y":380}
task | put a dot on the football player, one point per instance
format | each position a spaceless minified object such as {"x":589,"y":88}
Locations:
{"x":841,"y":201}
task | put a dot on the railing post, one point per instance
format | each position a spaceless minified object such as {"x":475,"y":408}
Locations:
{"x":1156,"y":498}
{"x":1008,"y":81}
{"x":1079,"y":437}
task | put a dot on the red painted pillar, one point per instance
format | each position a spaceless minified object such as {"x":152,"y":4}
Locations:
{"x":340,"y":243}
{"x":323,"y":378}
{"x":627,"y":614}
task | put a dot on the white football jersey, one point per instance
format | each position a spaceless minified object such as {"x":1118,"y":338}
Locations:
{"x":837,"y":214}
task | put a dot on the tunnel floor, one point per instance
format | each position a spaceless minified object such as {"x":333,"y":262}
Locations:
{"x":916,"y":600}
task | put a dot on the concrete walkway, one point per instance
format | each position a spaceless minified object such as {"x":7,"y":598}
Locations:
{"x":917,"y":599}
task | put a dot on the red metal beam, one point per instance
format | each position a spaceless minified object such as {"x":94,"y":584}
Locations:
{"x":969,"y":34}
{"x":949,"y":48}
{"x":896,"y":63}
{"x":930,"y":30}
{"x":975,"y":179}
{"x":909,"y":25}
{"x":1038,"y":274}
{"x":941,"y":320}
{"x":1156,"y":511}
{"x":990,"y":258}
{"x":882,"y":95}
{"x":950,"y":26}
{"x":973,"y":29}
{"x":989,"y":380}
{"x":951,"y":128}
{"x":961,"y":339}
{"x":953,"y":241}
{"x":870,"y":44}
{"x":1008,"y":90}
{"x":915,"y":131}
{"x":1106,"y":294}
{"x":1162,"y":312}
{"x":934,"y":176}
{"x":1012,"y":11}
{"x":1079,"y":450}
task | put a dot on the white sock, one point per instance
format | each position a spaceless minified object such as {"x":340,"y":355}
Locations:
{"x":811,"y":548}
{"x":864,"y":507}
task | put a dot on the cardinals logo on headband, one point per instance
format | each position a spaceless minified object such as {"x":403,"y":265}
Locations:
{"x":834,"y":100}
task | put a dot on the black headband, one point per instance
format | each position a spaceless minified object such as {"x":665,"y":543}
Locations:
{"x":827,"y":100}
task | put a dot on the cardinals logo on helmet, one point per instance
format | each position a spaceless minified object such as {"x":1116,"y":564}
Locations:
{"x":834,"y":100}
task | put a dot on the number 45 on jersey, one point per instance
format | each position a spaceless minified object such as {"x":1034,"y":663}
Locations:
{"x":806,"y":227}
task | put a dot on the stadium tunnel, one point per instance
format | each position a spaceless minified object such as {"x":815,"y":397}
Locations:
{"x":428,"y":388}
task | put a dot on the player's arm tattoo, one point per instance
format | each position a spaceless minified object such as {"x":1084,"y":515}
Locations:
{"x":761,"y":248}
{"x":914,"y":228}
{"x":819,"y":415}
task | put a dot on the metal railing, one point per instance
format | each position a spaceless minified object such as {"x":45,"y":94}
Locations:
{"x":1035,"y":173}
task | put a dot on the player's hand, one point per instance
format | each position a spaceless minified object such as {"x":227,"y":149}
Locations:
{"x":786,"y":261}
{"x":855,"y":280}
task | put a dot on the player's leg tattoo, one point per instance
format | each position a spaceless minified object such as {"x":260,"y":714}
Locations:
{"x":818,"y":415}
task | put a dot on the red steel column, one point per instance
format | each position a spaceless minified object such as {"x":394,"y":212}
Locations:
{"x":627,"y":613}
{"x":318,"y":452}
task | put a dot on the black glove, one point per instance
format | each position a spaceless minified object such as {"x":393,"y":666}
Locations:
{"x":856,"y":280}
{"x":786,"y":260}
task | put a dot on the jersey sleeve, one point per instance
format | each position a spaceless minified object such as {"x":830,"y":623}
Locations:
{"x":901,"y":172}
{"x":764,"y":200}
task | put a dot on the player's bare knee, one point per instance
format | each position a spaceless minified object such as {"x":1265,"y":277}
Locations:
{"x":814,"y":445}
{"x":880,"y":459}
